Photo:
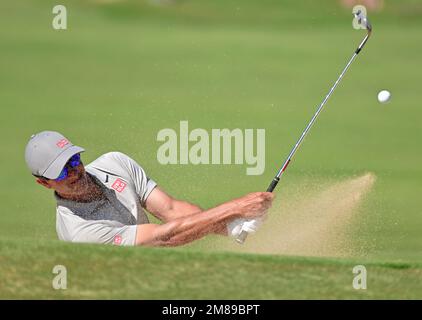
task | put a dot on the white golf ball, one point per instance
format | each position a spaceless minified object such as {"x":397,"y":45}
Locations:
{"x":384,"y":96}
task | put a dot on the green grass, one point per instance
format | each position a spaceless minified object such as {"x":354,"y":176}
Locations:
{"x":138,"y":273}
{"x":125,"y":70}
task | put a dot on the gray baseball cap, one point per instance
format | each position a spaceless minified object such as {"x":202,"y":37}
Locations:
{"x":47,"y":153}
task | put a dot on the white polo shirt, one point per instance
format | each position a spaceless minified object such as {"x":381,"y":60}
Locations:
{"x":113,"y":218}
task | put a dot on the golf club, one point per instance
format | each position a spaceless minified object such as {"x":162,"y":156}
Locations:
{"x":364,"y":23}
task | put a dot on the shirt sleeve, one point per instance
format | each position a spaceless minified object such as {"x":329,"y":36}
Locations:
{"x":143,"y":184}
{"x":73,"y":228}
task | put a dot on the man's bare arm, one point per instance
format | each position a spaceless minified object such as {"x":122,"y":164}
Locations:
{"x":166,"y":208}
{"x":185,"y":229}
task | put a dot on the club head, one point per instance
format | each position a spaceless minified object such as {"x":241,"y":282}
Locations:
{"x":363,"y":20}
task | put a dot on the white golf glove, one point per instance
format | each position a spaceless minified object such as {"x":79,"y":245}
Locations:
{"x":235,"y":227}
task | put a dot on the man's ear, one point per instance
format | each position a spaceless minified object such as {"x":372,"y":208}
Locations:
{"x":43,"y":183}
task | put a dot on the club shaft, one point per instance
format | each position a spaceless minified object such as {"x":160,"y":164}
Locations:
{"x":243,"y":235}
{"x":280,"y":172}
{"x":276,"y":179}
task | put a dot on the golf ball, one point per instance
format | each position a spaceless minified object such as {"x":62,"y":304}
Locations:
{"x":384,"y":96}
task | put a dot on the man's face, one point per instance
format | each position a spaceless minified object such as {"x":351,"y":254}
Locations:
{"x":74,"y":184}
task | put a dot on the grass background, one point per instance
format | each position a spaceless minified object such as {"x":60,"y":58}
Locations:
{"x":126,"y":69}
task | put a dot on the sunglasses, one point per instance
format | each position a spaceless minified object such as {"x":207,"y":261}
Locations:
{"x":72,"y":163}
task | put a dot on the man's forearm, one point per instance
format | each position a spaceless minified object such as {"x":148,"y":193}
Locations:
{"x":181,"y":209}
{"x":185,"y":229}
{"x":184,"y":209}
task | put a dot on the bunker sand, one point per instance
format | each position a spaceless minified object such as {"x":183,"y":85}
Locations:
{"x":317,"y":223}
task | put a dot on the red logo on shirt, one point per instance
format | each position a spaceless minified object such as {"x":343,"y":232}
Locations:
{"x":117,"y":240}
{"x":62,"y":143}
{"x":119,"y":185}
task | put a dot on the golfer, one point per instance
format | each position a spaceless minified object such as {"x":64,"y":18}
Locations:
{"x":105,"y":201}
